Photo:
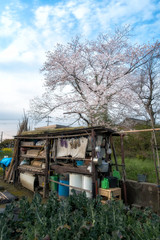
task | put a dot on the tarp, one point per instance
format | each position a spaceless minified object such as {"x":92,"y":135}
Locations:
{"x":5,"y":162}
{"x":6,"y":197}
{"x":74,"y":147}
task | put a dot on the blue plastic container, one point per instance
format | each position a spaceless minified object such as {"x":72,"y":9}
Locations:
{"x":63,"y":191}
{"x":80,"y":162}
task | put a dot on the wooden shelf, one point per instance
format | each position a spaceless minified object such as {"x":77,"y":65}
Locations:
{"x":70,"y":169}
{"x":32,"y":146}
{"x":32,"y":156}
{"x":76,"y":159}
{"x":31,"y":169}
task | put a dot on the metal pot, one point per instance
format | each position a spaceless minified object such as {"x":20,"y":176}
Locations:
{"x":104,"y":167}
{"x":97,"y":161}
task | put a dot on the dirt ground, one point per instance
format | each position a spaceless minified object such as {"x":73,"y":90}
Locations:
{"x":17,"y":191}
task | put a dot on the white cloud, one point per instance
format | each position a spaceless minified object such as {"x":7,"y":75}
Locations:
{"x":42,"y":16}
{"x":29,"y":39}
{"x":81,"y":11}
{"x":25,"y":48}
{"x":16,"y":93}
{"x":8,"y":23}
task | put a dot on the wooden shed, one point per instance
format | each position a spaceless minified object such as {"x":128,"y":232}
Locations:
{"x":73,"y":152}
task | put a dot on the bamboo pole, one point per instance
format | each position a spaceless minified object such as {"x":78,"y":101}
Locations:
{"x":142,"y":130}
{"x":70,"y":186}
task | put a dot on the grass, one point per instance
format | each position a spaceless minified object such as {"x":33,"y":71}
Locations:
{"x":136,"y":166}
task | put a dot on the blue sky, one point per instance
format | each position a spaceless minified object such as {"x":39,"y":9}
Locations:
{"x":30,"y":28}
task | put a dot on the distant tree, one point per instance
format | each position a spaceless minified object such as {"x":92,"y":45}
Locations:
{"x":145,"y":88}
{"x":85,"y":79}
{"x":7,"y":143}
{"x":146,"y":94}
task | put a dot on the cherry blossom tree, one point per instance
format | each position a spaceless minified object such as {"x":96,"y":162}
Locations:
{"x":83,"y":79}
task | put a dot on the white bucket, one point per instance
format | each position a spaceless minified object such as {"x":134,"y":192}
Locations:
{"x":76,"y":181}
{"x":87,"y":185}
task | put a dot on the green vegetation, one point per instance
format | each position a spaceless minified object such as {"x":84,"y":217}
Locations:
{"x":6,"y":152}
{"x":135,"y":166}
{"x":138,"y":153}
{"x":7,"y":143}
{"x":137,"y":145}
{"x":76,"y":217}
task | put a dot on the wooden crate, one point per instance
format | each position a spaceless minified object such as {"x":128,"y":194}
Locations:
{"x":111,"y":193}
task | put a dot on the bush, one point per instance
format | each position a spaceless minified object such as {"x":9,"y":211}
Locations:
{"x":7,"y":143}
{"x":6,"y":152}
{"x":137,"y":144}
{"x":77,"y":218}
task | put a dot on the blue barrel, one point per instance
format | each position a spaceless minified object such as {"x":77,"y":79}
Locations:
{"x":63,"y":191}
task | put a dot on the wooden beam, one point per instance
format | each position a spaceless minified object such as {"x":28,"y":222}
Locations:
{"x":46,"y":179}
{"x":70,"y":169}
{"x":53,"y":136}
{"x":123,"y":170}
{"x":94,"y":174}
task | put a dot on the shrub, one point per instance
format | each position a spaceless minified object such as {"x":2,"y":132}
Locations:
{"x":7,"y":143}
{"x":6,"y":152}
{"x":77,"y":218}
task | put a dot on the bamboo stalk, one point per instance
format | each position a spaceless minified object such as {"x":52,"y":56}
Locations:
{"x":70,"y":186}
{"x":142,"y":130}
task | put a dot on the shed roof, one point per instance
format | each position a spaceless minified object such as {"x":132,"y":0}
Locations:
{"x":44,"y":132}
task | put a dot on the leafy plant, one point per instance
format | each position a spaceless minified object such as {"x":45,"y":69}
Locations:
{"x":77,"y":218}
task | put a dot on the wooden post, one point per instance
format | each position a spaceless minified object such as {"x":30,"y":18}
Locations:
{"x":17,"y":156}
{"x":46,"y":177}
{"x":157,"y":171}
{"x":1,"y":137}
{"x":114,"y":152}
{"x":123,"y":170}
{"x":94,"y":177}
{"x":106,"y":148}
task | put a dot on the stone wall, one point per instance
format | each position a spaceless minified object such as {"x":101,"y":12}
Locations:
{"x":142,"y":194}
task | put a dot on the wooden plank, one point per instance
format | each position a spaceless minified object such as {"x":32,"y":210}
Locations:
{"x":29,"y":168}
{"x":53,"y":136}
{"x":70,"y":169}
{"x":46,"y":179}
{"x":33,"y":146}
{"x":71,"y":158}
{"x":32,"y":156}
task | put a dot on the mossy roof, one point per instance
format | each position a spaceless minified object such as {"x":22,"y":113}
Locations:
{"x":64,"y":131}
